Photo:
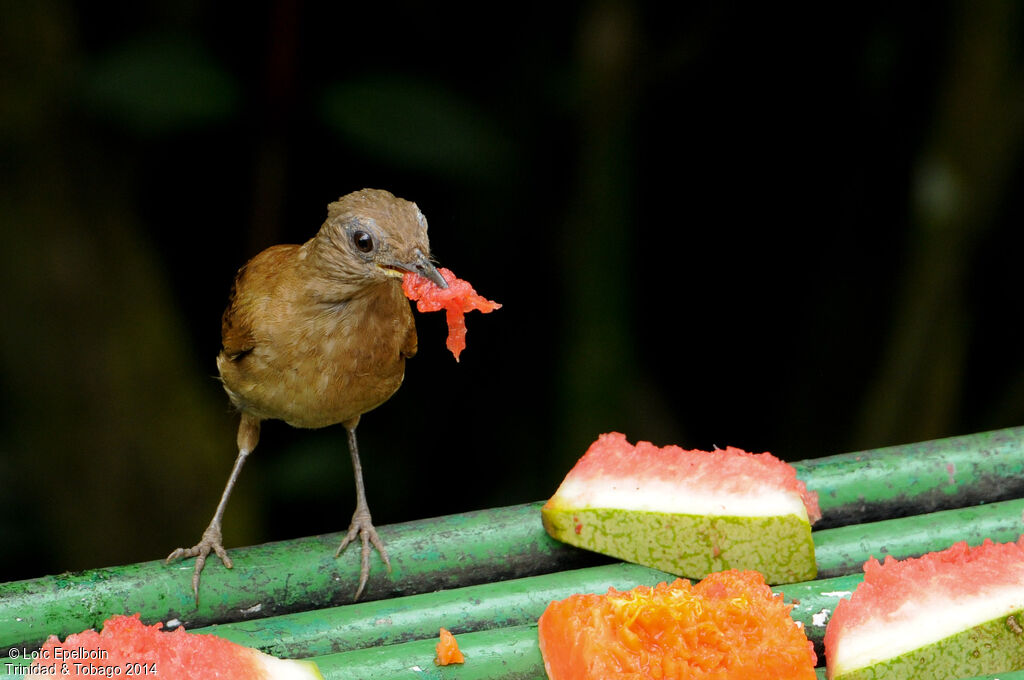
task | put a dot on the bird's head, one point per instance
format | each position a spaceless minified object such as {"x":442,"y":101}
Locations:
{"x":372,"y":235}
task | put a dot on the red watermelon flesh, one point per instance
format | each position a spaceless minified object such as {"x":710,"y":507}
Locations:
{"x":457,"y":299}
{"x":928,"y":603}
{"x":126,"y":646}
{"x":724,"y":480}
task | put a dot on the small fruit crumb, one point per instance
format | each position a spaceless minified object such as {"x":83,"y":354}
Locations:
{"x":448,"y":650}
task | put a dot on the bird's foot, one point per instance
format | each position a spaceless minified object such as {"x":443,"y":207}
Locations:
{"x":211,"y":541}
{"x":362,"y":526}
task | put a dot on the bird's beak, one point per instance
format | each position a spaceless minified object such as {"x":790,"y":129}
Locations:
{"x":421,"y":265}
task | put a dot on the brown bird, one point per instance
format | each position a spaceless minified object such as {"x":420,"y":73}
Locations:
{"x":318,"y":334}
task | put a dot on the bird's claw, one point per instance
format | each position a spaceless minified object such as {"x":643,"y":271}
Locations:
{"x":362,"y":526}
{"x":211,"y":541}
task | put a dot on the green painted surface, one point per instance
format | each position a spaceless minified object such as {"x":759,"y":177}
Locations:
{"x":917,"y":478}
{"x":843,"y":550}
{"x":506,"y":653}
{"x":510,"y":653}
{"x":693,"y":546}
{"x":297,"y":575}
{"x":386,"y":639}
{"x":31,"y":610}
{"x":491,"y":605}
{"x":991,"y":647}
{"x":388,"y":622}
{"x":814,"y":601}
{"x":273,"y":582}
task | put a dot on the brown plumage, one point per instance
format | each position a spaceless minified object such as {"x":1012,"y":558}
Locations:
{"x":318,"y":334}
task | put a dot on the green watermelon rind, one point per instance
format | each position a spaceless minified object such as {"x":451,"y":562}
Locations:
{"x":996,"y":646}
{"x":692,"y":546}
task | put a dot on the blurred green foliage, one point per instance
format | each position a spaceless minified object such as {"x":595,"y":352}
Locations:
{"x":157,"y":84}
{"x":417,"y":125}
{"x":708,"y":224}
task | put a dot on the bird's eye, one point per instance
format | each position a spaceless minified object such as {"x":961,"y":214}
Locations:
{"x":362,"y":241}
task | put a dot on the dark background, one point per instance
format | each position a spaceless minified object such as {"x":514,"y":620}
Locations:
{"x":714,"y":224}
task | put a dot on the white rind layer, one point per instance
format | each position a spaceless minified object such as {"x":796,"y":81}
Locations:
{"x":653,"y":496}
{"x":920,"y":623}
{"x":287,"y":669}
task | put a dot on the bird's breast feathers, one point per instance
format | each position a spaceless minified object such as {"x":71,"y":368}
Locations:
{"x":327,"y":365}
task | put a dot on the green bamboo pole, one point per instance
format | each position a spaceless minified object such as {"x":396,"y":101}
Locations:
{"x":508,"y":653}
{"x":387,"y":622}
{"x":484,"y":607}
{"x":278,"y":578}
{"x":917,"y":478}
{"x":511,"y":653}
{"x":508,"y":603}
{"x":377,"y":648}
{"x":499,"y":544}
{"x":385,"y":639}
{"x":843,"y":550}
{"x":371,"y":633}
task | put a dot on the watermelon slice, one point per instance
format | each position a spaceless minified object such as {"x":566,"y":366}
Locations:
{"x":730,"y":626}
{"x":954,"y":613}
{"x":457,"y":299}
{"x":126,"y":646}
{"x":689,"y":513}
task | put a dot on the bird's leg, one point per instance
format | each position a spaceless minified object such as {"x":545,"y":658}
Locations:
{"x":361,"y":525}
{"x":212,"y":538}
{"x":248,"y":435}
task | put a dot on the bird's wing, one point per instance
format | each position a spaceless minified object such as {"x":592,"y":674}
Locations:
{"x":248,"y":294}
{"x":410,"y":342}
{"x":235,"y":328}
